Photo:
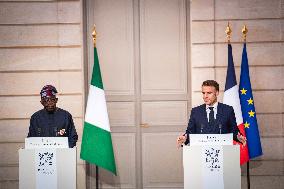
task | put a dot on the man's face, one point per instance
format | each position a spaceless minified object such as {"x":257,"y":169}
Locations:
{"x":209,"y":95}
{"x":49,"y":103}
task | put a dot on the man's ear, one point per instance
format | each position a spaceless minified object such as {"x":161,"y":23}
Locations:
{"x":217,"y":93}
{"x":56,"y":100}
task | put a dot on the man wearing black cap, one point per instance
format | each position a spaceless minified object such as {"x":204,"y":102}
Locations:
{"x":52,"y":121}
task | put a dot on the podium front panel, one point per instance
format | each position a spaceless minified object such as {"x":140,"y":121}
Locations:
{"x":192,"y":163}
{"x":66,"y":168}
{"x":27,"y":174}
{"x":232,"y":169}
{"x":192,"y":167}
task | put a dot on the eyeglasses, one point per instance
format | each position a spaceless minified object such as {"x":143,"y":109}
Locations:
{"x":48,"y":99}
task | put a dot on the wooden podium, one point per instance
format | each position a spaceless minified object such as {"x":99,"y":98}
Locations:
{"x":206,"y":169}
{"x":31,"y":166}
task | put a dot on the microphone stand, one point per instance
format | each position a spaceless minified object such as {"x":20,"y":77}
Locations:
{"x":56,"y":131}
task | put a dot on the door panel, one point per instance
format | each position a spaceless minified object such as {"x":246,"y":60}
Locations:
{"x":163,"y":72}
{"x":161,"y":161}
{"x":121,"y":114}
{"x":161,"y":113}
{"x":114,"y":25}
{"x":163,"y":60}
{"x":124,"y":150}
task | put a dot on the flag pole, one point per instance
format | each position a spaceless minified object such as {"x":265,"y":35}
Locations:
{"x":97,"y":177}
{"x":244,"y":35}
{"x":248,"y":176}
{"x":94,"y":34}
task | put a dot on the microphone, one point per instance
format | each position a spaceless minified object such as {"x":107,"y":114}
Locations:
{"x":185,"y":140}
{"x":55,"y":130}
{"x":38,"y":132}
{"x":220,"y":128}
{"x":201,"y":128}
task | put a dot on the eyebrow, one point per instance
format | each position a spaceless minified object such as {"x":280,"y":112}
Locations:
{"x":207,"y":92}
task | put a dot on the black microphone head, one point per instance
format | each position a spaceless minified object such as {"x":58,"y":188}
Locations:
{"x":38,"y":131}
{"x":55,"y":131}
{"x":220,"y":128}
{"x":201,"y":128}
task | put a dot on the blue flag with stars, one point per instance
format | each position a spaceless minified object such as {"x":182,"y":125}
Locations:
{"x":248,"y":110}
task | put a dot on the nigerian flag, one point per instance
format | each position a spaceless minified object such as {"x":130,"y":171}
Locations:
{"x":96,"y":145}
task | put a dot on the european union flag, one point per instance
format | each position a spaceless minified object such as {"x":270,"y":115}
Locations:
{"x":248,"y":110}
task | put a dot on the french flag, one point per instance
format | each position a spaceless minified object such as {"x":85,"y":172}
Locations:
{"x":231,"y":97}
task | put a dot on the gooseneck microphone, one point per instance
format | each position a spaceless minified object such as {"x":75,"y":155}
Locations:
{"x":220,"y":128}
{"x":38,"y":131}
{"x":201,"y":128}
{"x":55,"y":131}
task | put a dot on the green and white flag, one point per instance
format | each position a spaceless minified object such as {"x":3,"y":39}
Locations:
{"x":96,"y":145}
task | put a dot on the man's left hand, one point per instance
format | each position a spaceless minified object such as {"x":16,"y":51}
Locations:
{"x":61,"y":132}
{"x":242,"y":139}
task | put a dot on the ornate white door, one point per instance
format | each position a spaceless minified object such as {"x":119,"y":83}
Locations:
{"x":143,"y":53}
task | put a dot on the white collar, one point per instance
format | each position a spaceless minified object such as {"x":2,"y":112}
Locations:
{"x":214,"y":106}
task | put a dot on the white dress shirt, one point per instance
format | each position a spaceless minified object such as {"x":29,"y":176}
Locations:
{"x":214,"y":109}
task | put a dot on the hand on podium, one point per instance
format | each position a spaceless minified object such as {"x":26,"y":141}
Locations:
{"x":242,"y":139}
{"x":181,"y":140}
{"x":61,"y":132}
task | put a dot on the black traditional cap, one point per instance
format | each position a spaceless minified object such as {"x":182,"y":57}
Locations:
{"x":48,"y":91}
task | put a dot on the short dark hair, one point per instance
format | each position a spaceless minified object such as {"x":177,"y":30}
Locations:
{"x":211,"y":83}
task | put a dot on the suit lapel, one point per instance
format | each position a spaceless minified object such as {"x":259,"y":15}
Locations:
{"x":219,"y":113}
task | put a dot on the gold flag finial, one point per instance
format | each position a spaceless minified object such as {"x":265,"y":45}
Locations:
{"x":228,"y":32}
{"x":245,"y":31}
{"x":94,"y":34}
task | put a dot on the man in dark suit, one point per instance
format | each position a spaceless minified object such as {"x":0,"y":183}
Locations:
{"x":212,"y":117}
{"x":52,"y":121}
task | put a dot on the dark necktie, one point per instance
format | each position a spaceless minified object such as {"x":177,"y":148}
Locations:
{"x":211,"y":116}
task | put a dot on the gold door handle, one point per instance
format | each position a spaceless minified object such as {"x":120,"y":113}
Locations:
{"x":144,"y":125}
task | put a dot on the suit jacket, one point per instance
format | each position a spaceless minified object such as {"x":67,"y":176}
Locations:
{"x":225,"y":121}
{"x":44,"y":124}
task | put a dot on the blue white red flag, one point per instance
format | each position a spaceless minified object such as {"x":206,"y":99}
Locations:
{"x":231,"y":97}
